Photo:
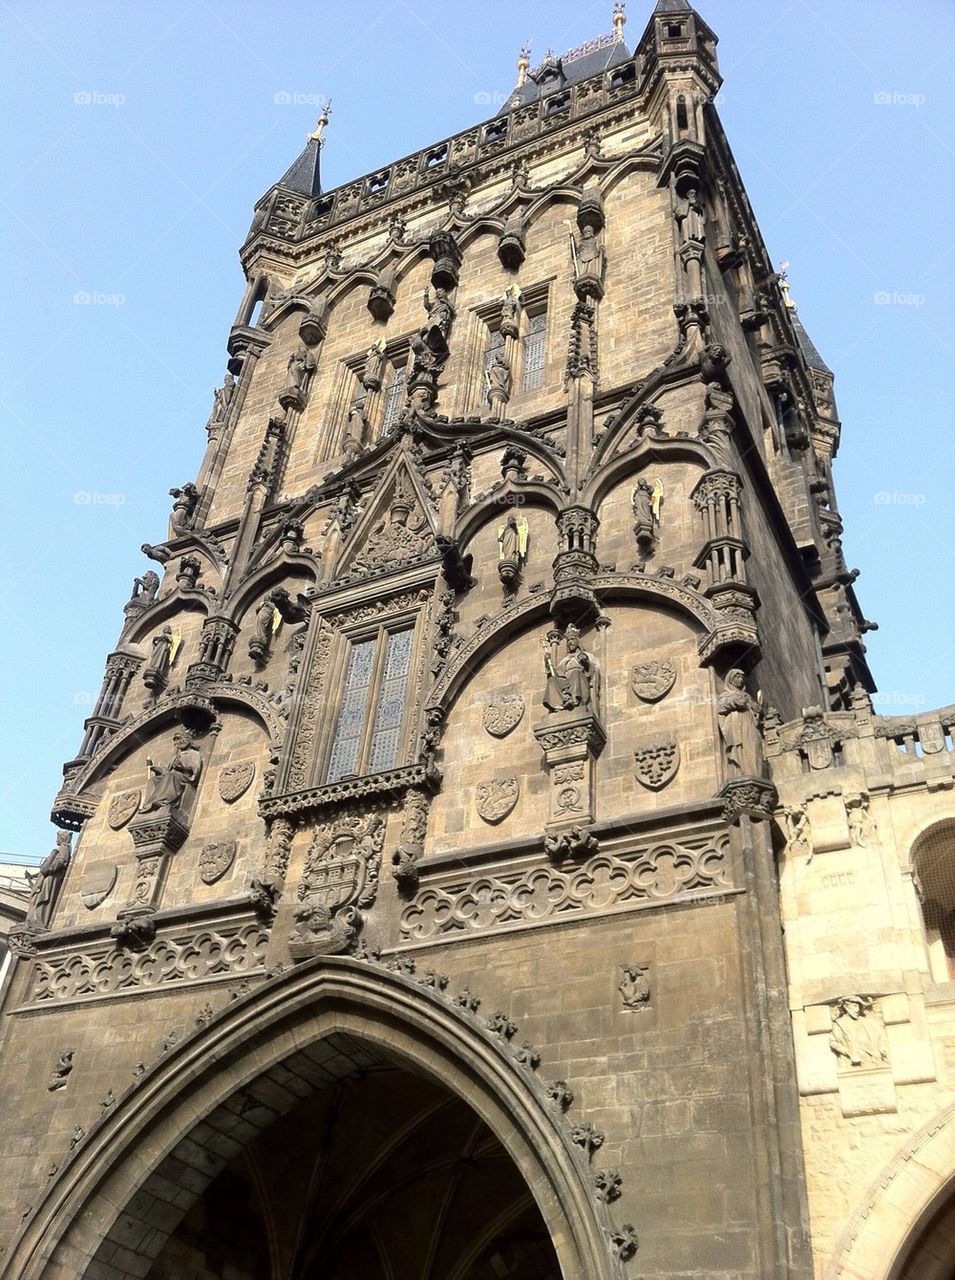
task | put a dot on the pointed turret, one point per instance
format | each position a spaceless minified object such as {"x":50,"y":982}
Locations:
{"x":304,"y":176}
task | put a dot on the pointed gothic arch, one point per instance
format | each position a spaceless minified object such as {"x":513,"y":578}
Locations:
{"x":213,"y":1091}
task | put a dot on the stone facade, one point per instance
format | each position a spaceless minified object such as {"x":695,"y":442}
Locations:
{"x":491,"y":740}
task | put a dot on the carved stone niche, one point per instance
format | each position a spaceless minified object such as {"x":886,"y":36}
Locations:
{"x":571,"y":742}
{"x":510,"y":249}
{"x":444,"y":250}
{"x":314,"y":324}
{"x":381,"y":298}
{"x":575,"y":566}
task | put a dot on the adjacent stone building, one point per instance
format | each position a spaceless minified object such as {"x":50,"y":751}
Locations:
{"x":488,"y":861}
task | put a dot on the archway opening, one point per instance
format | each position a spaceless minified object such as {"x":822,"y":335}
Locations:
{"x":929,"y":1253}
{"x":342,"y":1164}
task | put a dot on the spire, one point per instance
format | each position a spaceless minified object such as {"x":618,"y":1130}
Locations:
{"x":672,"y":6}
{"x":304,"y":176}
{"x":619,"y":18}
{"x":523,"y":63}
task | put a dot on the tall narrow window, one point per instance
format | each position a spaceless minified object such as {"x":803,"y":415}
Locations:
{"x":394,"y":396}
{"x":534,"y":352}
{"x":367,"y":734}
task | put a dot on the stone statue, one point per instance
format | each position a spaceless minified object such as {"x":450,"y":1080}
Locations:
{"x":184,"y":507}
{"x":690,"y":218}
{"x":168,"y":784}
{"x":511,"y":313}
{"x":499,"y":382}
{"x":857,"y":1034}
{"x":645,"y":499}
{"x":160,"y":660}
{"x":799,"y":832}
{"x":265,"y":621}
{"x":512,"y":538}
{"x":634,"y":987}
{"x":588,"y":256}
{"x":300,"y":364}
{"x":440,"y":315}
{"x":45,"y":882}
{"x":739,"y":722}
{"x":145,"y":588}
{"x":221,"y":399}
{"x":574,"y":681}
{"x":862,"y":830}
{"x":373,"y":366}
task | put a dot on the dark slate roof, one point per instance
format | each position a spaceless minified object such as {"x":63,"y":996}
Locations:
{"x":304,"y":175}
{"x":589,"y":60}
{"x":672,"y":6}
{"x":808,"y":347}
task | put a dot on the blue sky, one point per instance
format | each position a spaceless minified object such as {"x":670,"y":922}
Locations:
{"x":139,"y":137}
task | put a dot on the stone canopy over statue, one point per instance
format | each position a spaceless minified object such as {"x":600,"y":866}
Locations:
{"x":573,"y":680}
{"x":168,"y":784}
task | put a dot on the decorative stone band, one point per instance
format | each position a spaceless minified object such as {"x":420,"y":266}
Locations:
{"x":394,"y":782}
{"x":229,"y":950}
{"x":648,"y":876}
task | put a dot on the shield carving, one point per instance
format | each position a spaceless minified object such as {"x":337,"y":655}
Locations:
{"x":235,"y":780}
{"x":122,"y":809}
{"x":931,"y":737}
{"x":657,"y":763}
{"x":335,"y":871}
{"x":652,"y":681}
{"x":497,"y":798}
{"x":215,"y":859}
{"x":97,"y":883}
{"x":503,"y":714}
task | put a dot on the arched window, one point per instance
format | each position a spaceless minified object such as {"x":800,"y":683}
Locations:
{"x":933,"y":874}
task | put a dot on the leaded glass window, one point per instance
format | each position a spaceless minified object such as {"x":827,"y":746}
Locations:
{"x":367,"y":735}
{"x":394,"y":396}
{"x":351,"y":714}
{"x":534,"y":352}
{"x":390,"y":703}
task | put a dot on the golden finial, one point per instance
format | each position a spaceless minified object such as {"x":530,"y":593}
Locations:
{"x":317,"y":134}
{"x":523,"y":63}
{"x":784,"y":286}
{"x":619,"y":18}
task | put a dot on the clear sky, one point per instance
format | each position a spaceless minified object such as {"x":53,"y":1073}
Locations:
{"x":139,"y":136}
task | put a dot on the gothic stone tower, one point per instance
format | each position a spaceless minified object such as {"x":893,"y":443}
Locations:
{"x":423,"y":917}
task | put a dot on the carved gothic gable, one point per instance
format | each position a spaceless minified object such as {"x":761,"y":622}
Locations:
{"x":397,"y":529}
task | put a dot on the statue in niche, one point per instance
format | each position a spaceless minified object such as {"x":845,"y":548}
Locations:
{"x":690,"y":217}
{"x":440,"y":318}
{"x":167,"y":784}
{"x":46,"y":880}
{"x":857,"y":1034}
{"x":186,"y":499}
{"x":164,"y":646}
{"x":645,"y":499}
{"x":266,"y":623}
{"x":300,"y":364}
{"x":739,"y":722}
{"x":145,"y":588}
{"x":499,"y":381}
{"x":374,"y":365}
{"x":799,"y":832}
{"x":511,"y":312}
{"x":512,"y":549}
{"x":573,"y":681}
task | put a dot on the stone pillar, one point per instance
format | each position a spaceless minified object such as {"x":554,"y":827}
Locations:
{"x":571,"y":742}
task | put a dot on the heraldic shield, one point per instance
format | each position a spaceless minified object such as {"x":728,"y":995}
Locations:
{"x":657,"y":763}
{"x":342,"y":863}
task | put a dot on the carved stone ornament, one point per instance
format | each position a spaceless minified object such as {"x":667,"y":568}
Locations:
{"x":657,"y":764}
{"x":341,"y":875}
{"x":503,"y":714}
{"x":122,"y":808}
{"x":634,"y":987}
{"x":98,"y":882}
{"x":235,"y":780}
{"x":652,"y":681}
{"x":215,"y":860}
{"x":497,"y":798}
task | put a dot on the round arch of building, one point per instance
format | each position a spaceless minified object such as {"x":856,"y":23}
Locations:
{"x":305,"y":1025}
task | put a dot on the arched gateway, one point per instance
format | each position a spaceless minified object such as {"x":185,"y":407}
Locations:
{"x":393,"y":1102}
